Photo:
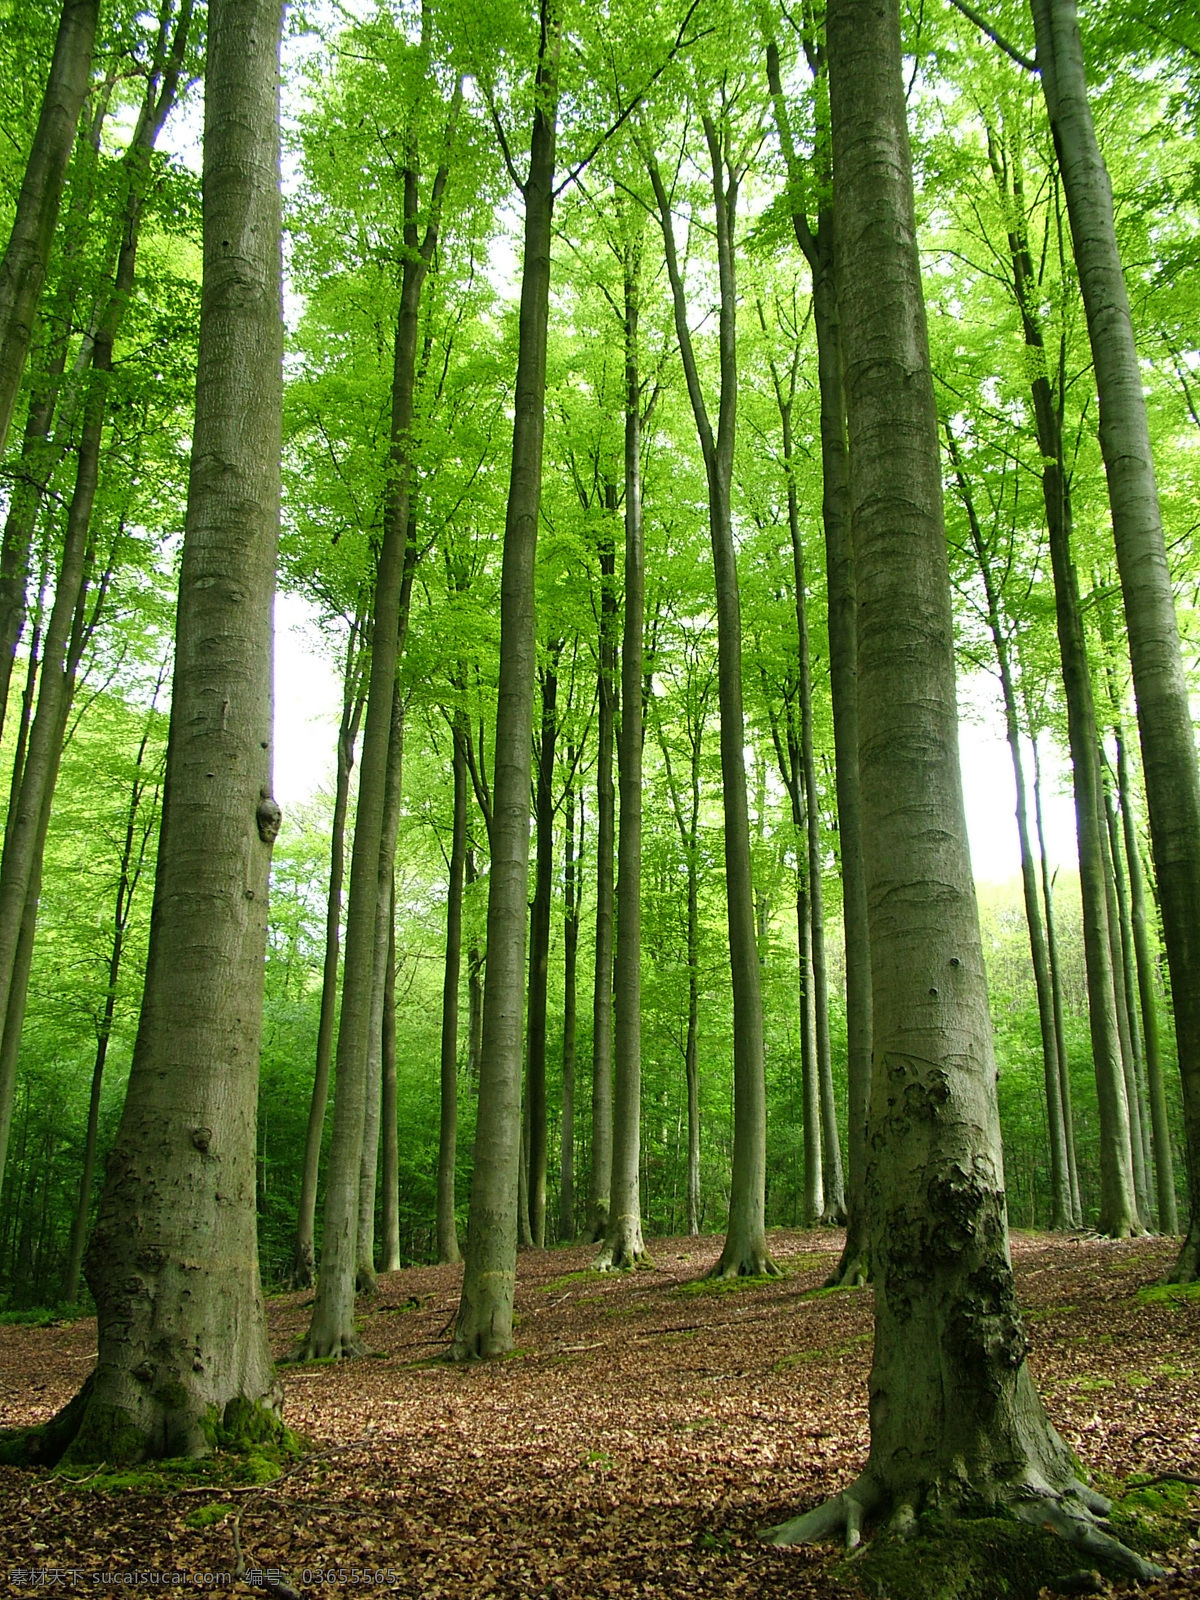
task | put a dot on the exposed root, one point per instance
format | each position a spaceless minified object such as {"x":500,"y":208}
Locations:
{"x":834,"y":1215}
{"x":344,"y":1347}
{"x":758,"y":1264}
{"x":1073,"y":1517}
{"x":624,"y":1247}
{"x":1187,"y":1263}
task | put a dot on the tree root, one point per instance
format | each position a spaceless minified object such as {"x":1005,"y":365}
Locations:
{"x":345,"y":1347}
{"x":1187,"y":1263}
{"x":1073,"y":1516}
{"x":757,"y":1265}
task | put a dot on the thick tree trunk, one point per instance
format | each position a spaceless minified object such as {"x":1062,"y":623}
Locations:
{"x":623,"y":1243}
{"x":1060,"y":1181}
{"x":573,"y":895}
{"x":447,"y":1226}
{"x":484,"y":1326}
{"x":539,"y":952}
{"x":602,"y":986}
{"x":304,"y":1262}
{"x":745,"y":1250}
{"x":173,"y":1264}
{"x":1159,"y":680}
{"x":23,"y":268}
{"x":955,"y":1417}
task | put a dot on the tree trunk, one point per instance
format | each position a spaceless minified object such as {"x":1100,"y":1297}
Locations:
{"x":133,"y":855}
{"x":602,"y":987}
{"x":173,"y":1264}
{"x":573,"y":896}
{"x":474,"y":991}
{"x":1159,"y":680}
{"x":23,"y":269}
{"x":745,"y":1251}
{"x":304,"y":1262}
{"x":331,"y":1332}
{"x":484,"y":1326}
{"x":955,"y":1418}
{"x":447,"y":1226}
{"x":539,"y":952}
{"x":391,"y":1133}
{"x":623,"y":1243}
{"x":1060,"y":1181}
{"x":364,"y":1272}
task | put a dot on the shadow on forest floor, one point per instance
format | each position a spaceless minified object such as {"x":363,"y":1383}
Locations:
{"x":632,"y":1446}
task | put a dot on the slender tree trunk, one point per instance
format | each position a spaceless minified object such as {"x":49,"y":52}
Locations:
{"x":745,"y":1251}
{"x":447,"y":1226}
{"x":331,"y":1332}
{"x":623,"y":1243}
{"x":391,"y":1133}
{"x":1164,"y":1167}
{"x":539,"y":952}
{"x":304,"y":1263}
{"x":484,"y":1326}
{"x":955,"y":1417}
{"x":602,"y":987}
{"x":474,"y":990}
{"x":364,"y":1274}
{"x":573,"y":895}
{"x":173,"y":1263}
{"x":1121,"y":941}
{"x":1060,"y":1181}
{"x":23,"y":268}
{"x":133,"y":855}
{"x":1159,"y":680}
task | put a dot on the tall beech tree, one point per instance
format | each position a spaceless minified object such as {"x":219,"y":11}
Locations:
{"x":745,"y":1252}
{"x":1160,"y":685}
{"x":173,"y":1262}
{"x":331,"y":1331}
{"x":484,"y":1325}
{"x":600,"y":1180}
{"x":956,"y":1421}
{"x":27,"y":254}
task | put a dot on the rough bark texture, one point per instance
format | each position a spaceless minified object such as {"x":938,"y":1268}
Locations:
{"x":173,"y":1262}
{"x":623,"y":1243}
{"x":956,"y":1422}
{"x":390,"y":1143}
{"x":447,"y":1226}
{"x":484,"y":1326}
{"x":27,"y":255}
{"x":304,"y":1263}
{"x":1159,"y":681}
{"x":745,"y":1251}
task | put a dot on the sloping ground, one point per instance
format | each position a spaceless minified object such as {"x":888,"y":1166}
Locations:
{"x":643,"y":1432}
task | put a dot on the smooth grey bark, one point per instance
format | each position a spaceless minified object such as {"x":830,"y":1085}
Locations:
{"x":539,"y":951}
{"x":134,"y":845}
{"x":446,"y":1225}
{"x":331,"y":1331}
{"x":484,"y":1325}
{"x":623,"y":1244}
{"x":1159,"y":681}
{"x":818,"y":244}
{"x":368,"y":1172}
{"x":390,"y":1153}
{"x":27,"y":254}
{"x":304,"y":1261}
{"x":475,"y":962}
{"x":955,"y":1417}
{"x":572,"y":900}
{"x":745,"y":1251}
{"x":1060,"y":1180}
{"x":1164,"y":1165}
{"x":173,"y":1261}
{"x":1118,"y":1207}
{"x":602,"y":1043}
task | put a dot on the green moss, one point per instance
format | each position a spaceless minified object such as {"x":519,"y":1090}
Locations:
{"x":1152,"y":1517}
{"x":105,"y":1433}
{"x":1167,"y":1294}
{"x":1046,"y":1311}
{"x":570,"y":1279}
{"x":972,"y":1558}
{"x":205,"y":1516}
{"x":723,"y":1285}
{"x":42,"y":1317}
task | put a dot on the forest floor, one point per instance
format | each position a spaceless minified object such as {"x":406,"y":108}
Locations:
{"x":643,"y":1431}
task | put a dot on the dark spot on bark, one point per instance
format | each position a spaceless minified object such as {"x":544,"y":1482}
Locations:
{"x":144,"y":1372}
{"x":269,"y":817}
{"x":202,"y":1138}
{"x":151,"y":1258}
{"x":933,"y":994}
{"x":955,"y":962}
